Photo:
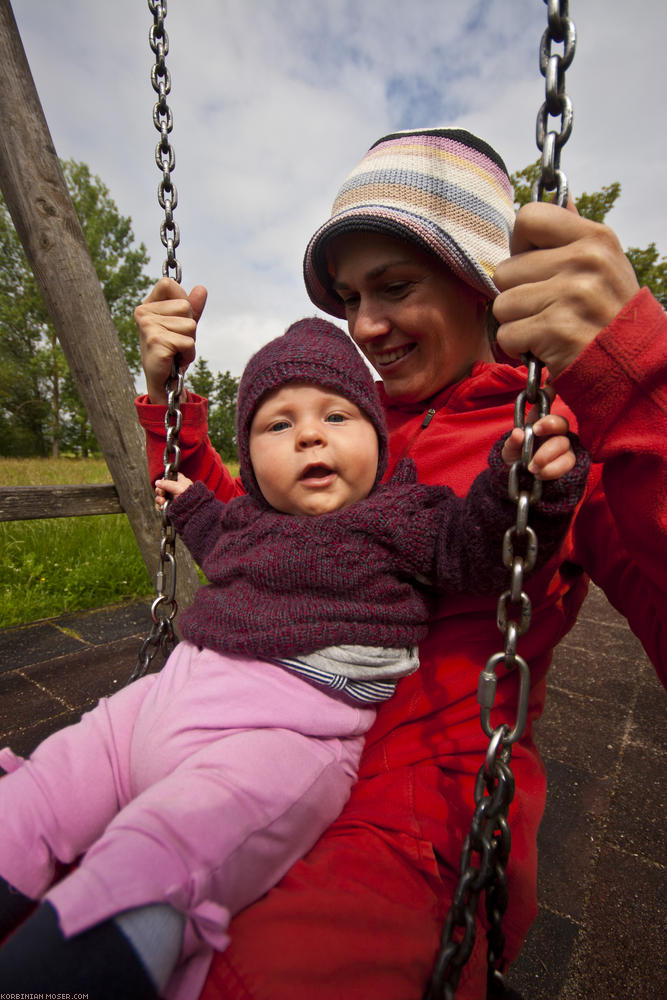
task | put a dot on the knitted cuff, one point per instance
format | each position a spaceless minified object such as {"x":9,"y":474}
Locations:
{"x":182,"y":507}
{"x":559,"y":496}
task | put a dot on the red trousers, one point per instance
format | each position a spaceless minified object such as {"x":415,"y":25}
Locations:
{"x":370,"y":933}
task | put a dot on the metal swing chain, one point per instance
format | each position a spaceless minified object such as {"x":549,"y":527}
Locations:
{"x":489,"y":838}
{"x":162,"y":638}
{"x":560,"y":28}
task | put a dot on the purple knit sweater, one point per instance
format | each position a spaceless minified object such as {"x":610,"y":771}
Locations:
{"x":282,"y":584}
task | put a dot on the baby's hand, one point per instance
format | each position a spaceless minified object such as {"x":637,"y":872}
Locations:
{"x":552,"y":458}
{"x":172,"y":487}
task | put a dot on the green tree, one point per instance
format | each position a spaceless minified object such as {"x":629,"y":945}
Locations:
{"x":593,"y":206}
{"x":40,"y":408}
{"x":649,"y":266}
{"x":200,"y":378}
{"x":651,"y":270}
{"x":118,"y":264}
{"x":221,"y":391}
{"x":24,"y":405}
{"x":222,"y":423}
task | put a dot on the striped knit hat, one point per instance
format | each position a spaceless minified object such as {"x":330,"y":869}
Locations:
{"x":315,"y":351}
{"x":444,"y":190}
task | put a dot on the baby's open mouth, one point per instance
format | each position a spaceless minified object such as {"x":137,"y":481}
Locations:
{"x":316,"y":471}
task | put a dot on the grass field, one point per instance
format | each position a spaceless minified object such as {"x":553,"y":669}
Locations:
{"x":65,"y":564}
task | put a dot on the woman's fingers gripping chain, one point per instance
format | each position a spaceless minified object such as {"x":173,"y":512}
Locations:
{"x":167,"y":323}
{"x":566,"y":280}
{"x":167,"y":319}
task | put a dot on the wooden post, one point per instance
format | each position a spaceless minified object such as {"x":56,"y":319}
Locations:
{"x":36,"y":194}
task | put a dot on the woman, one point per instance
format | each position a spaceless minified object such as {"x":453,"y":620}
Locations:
{"x":417,"y":247}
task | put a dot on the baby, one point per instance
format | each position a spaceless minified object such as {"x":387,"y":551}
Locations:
{"x":188,"y":794}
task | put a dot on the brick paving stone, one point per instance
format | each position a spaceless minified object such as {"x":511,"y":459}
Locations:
{"x":578,"y":731}
{"x":577,"y":803}
{"x":87,"y":675}
{"x":621,"y":953}
{"x":647,"y":726}
{"x":543,"y":970}
{"x":33,"y":643}
{"x":100,"y":626}
{"x":23,"y":703}
{"x":636,"y":815}
{"x":24,"y":740}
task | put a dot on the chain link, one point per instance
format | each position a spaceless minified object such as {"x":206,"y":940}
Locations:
{"x":559,"y":29}
{"x":486,"y":849}
{"x":165,"y":158}
{"x":162,"y":638}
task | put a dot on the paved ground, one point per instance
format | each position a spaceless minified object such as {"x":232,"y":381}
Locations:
{"x":600,"y":934}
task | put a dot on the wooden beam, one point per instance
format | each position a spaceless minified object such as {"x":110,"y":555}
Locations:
{"x":27,"y":503}
{"x":36,"y":194}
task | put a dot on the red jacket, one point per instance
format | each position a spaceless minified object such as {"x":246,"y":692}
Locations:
{"x":422,"y":755}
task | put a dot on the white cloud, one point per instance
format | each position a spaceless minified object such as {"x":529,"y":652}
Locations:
{"x":274,"y":103}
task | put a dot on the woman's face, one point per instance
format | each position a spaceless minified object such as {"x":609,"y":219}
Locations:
{"x":419,"y":325}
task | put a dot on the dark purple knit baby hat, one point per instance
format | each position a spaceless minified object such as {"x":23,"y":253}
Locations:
{"x":311,"y":350}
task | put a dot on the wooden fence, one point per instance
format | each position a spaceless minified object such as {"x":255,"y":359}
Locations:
{"x":26,"y":503}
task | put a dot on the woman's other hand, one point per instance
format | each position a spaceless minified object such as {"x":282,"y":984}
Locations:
{"x":567,"y":278}
{"x":167,"y":321}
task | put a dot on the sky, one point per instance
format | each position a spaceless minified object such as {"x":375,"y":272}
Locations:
{"x":275,"y":101}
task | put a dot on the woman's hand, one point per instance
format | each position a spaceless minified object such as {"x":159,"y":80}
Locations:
{"x":167,"y":321}
{"x":566,"y":280}
{"x":166,"y":489}
{"x":551,"y":459}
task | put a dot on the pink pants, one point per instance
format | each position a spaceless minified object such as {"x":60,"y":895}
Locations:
{"x":199,"y":787}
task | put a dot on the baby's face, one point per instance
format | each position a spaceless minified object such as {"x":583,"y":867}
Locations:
{"x":312,"y":450}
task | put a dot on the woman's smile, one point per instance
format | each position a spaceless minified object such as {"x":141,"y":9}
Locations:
{"x":382,"y":358}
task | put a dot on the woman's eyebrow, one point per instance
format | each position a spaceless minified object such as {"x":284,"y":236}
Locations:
{"x":375,"y":272}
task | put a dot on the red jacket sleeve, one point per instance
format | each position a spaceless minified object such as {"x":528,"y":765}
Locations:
{"x":618,"y":390}
{"x":199,"y":459}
